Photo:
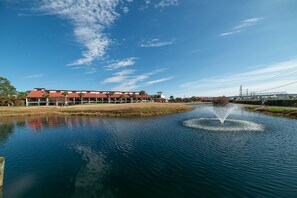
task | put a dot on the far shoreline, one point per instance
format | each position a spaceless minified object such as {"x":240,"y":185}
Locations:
{"x":100,"y":110}
{"x":287,"y":112}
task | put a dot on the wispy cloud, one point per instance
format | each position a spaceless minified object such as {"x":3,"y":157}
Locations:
{"x":165,"y":3}
{"x":158,"y":81}
{"x":89,"y":18}
{"x":127,"y":80}
{"x":125,"y":10}
{"x":159,"y":4}
{"x":121,"y":63}
{"x":243,"y":24}
{"x":34,"y":76}
{"x":230,"y":33}
{"x":258,"y":79}
{"x":119,"y":77}
{"x":91,"y":70}
{"x":156,"y":43}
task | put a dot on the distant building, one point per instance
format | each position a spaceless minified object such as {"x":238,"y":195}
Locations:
{"x":159,"y":97}
{"x":41,"y":96}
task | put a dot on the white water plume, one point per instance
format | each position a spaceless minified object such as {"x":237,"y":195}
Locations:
{"x":222,"y":112}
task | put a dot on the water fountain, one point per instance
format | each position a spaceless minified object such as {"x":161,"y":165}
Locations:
{"x":222,"y":112}
{"x":221,"y":109}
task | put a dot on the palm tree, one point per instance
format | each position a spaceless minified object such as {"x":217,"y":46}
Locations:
{"x":22,"y":95}
{"x":109,"y":94}
{"x":133,"y":96}
{"x":142,"y":92}
{"x":81,"y":95}
{"x":46,"y":95}
{"x":121,"y":97}
{"x":65,"y":94}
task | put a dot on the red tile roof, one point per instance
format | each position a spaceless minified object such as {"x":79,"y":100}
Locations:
{"x":59,"y":94}
{"x":36,"y":94}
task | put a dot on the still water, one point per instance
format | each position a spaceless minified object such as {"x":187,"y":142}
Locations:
{"x":148,"y":157}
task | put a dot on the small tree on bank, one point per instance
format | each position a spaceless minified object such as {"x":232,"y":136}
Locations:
{"x":221,"y":101}
{"x":7,"y":92}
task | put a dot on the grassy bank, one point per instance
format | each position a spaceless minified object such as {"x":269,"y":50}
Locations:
{"x":109,"y":110}
{"x":276,"y":111}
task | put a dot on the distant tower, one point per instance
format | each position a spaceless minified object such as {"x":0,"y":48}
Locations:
{"x":247,"y":92}
{"x":240,"y":90}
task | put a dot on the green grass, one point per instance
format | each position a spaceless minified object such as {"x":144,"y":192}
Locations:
{"x":280,"y":109}
{"x":275,"y":111}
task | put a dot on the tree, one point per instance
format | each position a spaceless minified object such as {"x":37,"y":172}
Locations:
{"x":122,"y":96}
{"x":65,"y":94}
{"x":142,"y":92}
{"x":81,"y":95}
{"x":22,"y":95}
{"x":171,"y":97}
{"x":7,"y":92}
{"x":178,"y":99}
{"x":133,"y":96}
{"x":45,"y":95}
{"x":109,"y":94}
{"x":221,"y":101}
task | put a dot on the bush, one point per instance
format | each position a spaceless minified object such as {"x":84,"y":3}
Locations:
{"x":280,"y":103}
{"x":221,"y":101}
{"x":251,"y":102}
{"x":19,"y":103}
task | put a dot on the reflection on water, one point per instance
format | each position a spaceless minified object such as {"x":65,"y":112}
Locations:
{"x":6,"y":129}
{"x":73,"y":156}
{"x":93,"y":172}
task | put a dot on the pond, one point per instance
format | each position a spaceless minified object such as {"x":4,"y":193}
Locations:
{"x":77,"y":156}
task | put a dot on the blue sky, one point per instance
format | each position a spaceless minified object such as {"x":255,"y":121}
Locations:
{"x":180,"y":47}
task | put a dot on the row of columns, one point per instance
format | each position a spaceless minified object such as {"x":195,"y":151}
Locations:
{"x":38,"y":102}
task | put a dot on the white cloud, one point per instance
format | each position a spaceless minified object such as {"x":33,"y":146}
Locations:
{"x":158,"y":81}
{"x":160,"y":4}
{"x":91,"y":70}
{"x":125,"y":10}
{"x":119,"y":77}
{"x":243,"y":24}
{"x":258,"y":79}
{"x":90,"y":18}
{"x":230,"y":33}
{"x":156,"y":43}
{"x":121,"y":63}
{"x":35,"y":76}
{"x":165,"y":3}
{"x":127,"y":81}
{"x":248,"y":22}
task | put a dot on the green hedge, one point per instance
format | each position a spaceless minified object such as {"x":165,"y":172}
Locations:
{"x":281,"y":103}
{"x":251,"y":102}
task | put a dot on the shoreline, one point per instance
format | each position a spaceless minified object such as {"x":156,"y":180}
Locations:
{"x":100,"y":110}
{"x":287,"y":112}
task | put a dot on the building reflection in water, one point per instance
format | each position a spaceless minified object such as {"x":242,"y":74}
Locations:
{"x":41,"y":123}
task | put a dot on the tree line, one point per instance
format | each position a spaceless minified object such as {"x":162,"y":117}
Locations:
{"x":9,"y":96}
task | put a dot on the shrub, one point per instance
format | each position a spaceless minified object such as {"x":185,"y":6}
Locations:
{"x":221,"y":101}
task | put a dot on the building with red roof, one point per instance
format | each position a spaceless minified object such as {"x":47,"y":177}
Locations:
{"x":41,"y":96}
